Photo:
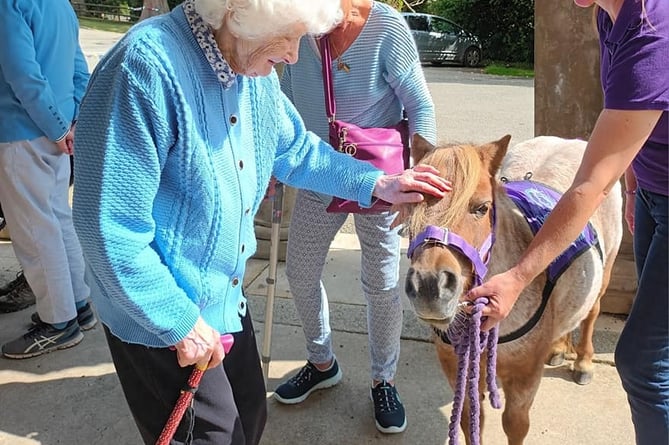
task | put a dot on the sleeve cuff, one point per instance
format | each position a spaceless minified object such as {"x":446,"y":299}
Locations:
{"x":365,"y":197}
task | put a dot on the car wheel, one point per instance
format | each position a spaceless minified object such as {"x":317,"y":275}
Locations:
{"x":472,"y":57}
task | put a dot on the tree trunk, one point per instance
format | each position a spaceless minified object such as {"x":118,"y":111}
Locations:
{"x":152,"y":8}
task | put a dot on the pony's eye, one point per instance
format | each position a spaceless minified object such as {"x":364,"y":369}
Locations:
{"x":480,"y":210}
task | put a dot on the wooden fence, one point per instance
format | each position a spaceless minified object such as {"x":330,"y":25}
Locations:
{"x":113,"y":13}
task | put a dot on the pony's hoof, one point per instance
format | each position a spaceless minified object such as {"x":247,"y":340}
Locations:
{"x":582,"y":378}
{"x":556,"y":359}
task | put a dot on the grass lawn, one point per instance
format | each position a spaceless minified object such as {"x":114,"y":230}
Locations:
{"x":506,"y":69}
{"x":104,"y":25}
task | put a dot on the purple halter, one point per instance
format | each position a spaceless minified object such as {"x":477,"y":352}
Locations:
{"x":465,"y":333}
{"x":440,"y":236}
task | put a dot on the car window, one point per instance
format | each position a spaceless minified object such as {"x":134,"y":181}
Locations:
{"x":417,"y":22}
{"x":443,"y":26}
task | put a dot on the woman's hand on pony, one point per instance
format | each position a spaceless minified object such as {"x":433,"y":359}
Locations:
{"x":411,"y":185}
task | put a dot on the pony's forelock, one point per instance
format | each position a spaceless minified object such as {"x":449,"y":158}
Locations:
{"x":461,"y":165}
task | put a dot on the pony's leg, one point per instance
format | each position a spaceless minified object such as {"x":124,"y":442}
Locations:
{"x":519,"y":391}
{"x":583,"y":367}
{"x":560,"y":348}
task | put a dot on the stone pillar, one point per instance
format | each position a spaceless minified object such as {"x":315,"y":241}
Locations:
{"x":567,"y":101}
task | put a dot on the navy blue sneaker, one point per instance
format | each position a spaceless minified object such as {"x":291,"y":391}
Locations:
{"x":43,"y":338}
{"x":388,"y":409}
{"x":307,"y":380}
{"x":85,"y":317}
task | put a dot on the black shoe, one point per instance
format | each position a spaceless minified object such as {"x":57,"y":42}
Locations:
{"x":388,"y":409}
{"x":85,"y":317}
{"x":16,"y":295}
{"x":309,"y":379}
{"x":43,"y":338}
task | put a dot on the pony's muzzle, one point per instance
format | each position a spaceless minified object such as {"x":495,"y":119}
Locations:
{"x":433,"y":295}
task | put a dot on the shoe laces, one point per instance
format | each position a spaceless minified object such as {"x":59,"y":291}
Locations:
{"x":305,"y":375}
{"x":38,"y":330}
{"x":385,"y":397}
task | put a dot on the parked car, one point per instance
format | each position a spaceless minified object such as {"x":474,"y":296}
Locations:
{"x":440,"y":40}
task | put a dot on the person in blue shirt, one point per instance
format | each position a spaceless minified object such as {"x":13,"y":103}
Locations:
{"x":43,"y":75}
{"x":181,"y":127}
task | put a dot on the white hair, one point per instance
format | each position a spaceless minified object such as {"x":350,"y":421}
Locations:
{"x":251,"y":19}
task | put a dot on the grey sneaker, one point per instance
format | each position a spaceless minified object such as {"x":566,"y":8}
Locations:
{"x":85,"y":318}
{"x":307,"y":380}
{"x":388,"y":409}
{"x":16,"y":295}
{"x":43,"y":338}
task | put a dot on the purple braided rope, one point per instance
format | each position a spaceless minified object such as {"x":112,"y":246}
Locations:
{"x":468,"y":340}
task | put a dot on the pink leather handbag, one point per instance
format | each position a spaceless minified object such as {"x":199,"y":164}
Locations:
{"x":387,"y":148}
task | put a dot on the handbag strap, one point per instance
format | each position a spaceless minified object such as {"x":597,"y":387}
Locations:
{"x":328,"y":89}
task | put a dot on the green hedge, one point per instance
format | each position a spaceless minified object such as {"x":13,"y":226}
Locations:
{"x":505,"y":27}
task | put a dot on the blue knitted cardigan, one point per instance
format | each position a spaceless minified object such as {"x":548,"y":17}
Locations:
{"x":171,"y":168}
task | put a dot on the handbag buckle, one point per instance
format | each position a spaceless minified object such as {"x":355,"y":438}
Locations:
{"x":345,"y":146}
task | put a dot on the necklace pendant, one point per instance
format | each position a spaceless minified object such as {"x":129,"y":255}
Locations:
{"x":343,"y":66}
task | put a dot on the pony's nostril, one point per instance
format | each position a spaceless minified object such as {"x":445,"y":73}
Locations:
{"x":410,"y":286}
{"x":448,"y":281}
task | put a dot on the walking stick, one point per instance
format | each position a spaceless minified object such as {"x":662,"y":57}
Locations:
{"x":186,"y":396}
{"x":277,"y":210}
{"x":182,"y":404}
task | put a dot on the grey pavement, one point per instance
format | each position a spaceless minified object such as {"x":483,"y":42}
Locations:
{"x":73,"y":396}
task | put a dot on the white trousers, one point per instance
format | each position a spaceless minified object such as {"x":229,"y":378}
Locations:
{"x":34,"y":192}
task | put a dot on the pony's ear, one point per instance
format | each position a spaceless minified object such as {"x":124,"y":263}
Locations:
{"x":493,"y":153}
{"x":419,"y":148}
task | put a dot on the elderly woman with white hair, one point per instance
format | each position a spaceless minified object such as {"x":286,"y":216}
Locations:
{"x":182,"y":125}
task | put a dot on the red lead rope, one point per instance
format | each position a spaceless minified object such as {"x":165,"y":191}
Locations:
{"x":180,"y":408}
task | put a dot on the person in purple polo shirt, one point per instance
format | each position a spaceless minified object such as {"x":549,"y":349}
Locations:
{"x":630,"y":138}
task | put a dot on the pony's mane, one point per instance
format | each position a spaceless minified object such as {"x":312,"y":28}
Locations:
{"x":460,"y":164}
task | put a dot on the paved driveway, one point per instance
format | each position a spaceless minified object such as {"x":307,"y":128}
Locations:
{"x":476,"y":107}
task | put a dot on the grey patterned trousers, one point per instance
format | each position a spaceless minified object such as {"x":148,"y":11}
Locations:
{"x":312,"y":230}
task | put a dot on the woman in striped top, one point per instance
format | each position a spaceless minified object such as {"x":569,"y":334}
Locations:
{"x":376,"y":75}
